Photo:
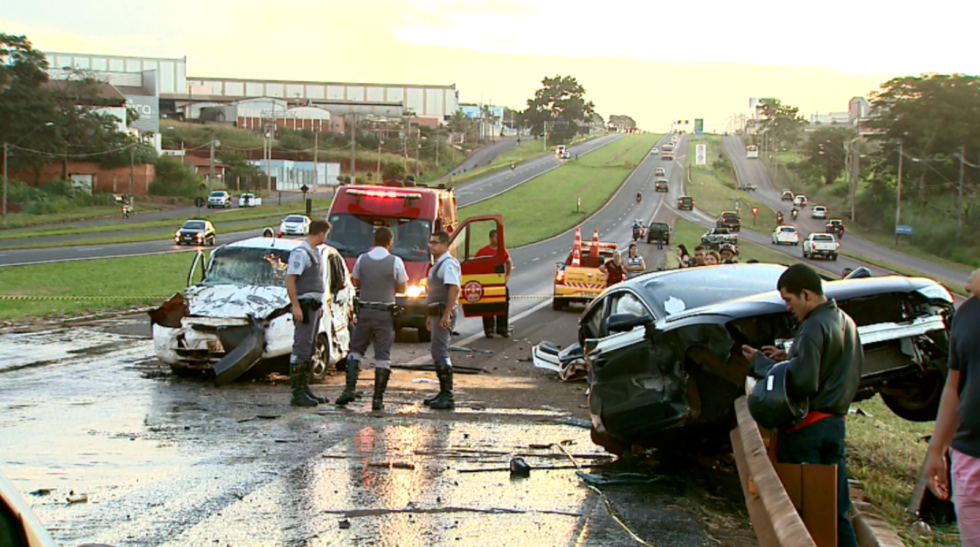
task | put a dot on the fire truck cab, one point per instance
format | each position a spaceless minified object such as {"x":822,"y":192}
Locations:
{"x":413,"y":214}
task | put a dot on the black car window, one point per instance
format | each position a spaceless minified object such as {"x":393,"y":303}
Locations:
{"x":593,"y":321}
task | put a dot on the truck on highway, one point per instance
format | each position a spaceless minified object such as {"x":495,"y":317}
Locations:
{"x":752,"y":152}
{"x":578,"y":278}
{"x":821,"y":245}
{"x":219,"y":198}
{"x":716,"y":237}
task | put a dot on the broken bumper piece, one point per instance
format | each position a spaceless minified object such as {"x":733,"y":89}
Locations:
{"x":569,"y":363}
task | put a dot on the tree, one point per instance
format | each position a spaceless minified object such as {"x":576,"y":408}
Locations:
{"x":237,"y":168}
{"x":392,"y":172}
{"x":825,"y":154}
{"x":24,"y":105}
{"x":621,"y":121}
{"x":557,"y":108}
{"x":933,"y":115}
{"x":781,"y":123}
{"x":458,"y":123}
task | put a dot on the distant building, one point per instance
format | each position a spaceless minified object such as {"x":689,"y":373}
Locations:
{"x":291,"y":175}
{"x":858,"y":110}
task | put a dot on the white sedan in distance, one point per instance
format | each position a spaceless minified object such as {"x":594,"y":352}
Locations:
{"x":295,"y":225}
{"x":786,"y":235}
{"x":818,"y":211}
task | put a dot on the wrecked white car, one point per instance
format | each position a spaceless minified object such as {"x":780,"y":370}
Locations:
{"x":238,"y":313}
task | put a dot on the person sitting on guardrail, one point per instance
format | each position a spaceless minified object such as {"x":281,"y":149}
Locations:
{"x":823,"y":367}
{"x":958,"y":424}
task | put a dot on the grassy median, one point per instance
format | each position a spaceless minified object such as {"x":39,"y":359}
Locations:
{"x":529,"y":149}
{"x":548,"y":205}
{"x":103,"y":284}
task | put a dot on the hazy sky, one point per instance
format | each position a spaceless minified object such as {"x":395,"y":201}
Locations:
{"x":655,"y":61}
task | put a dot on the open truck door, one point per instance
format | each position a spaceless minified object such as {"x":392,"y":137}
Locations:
{"x":484,"y":288}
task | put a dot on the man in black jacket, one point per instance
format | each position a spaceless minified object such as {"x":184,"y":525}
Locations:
{"x":824,"y":366}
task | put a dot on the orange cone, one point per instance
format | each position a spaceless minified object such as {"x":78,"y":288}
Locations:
{"x":595,"y":236}
{"x":577,"y":247}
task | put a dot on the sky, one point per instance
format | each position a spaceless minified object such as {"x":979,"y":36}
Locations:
{"x":654,"y":61}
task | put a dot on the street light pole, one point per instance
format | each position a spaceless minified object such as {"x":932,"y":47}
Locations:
{"x":211,"y":163}
{"x":898,"y":198}
{"x":959,"y":201}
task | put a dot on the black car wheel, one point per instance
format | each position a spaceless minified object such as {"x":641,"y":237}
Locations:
{"x":321,"y":358}
{"x":919,"y":401}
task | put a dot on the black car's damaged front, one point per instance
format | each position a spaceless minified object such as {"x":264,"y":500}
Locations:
{"x":664,"y":349}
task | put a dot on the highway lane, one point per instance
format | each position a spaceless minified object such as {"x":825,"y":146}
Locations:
{"x":752,"y":171}
{"x":467,"y":194}
{"x":483,"y":156}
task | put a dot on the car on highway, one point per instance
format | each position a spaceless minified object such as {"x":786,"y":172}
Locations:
{"x":235,"y":312}
{"x":249,"y":200}
{"x":818,"y":245}
{"x":654,"y":152}
{"x":658,"y":230}
{"x":662,"y":185}
{"x":663,"y":358}
{"x":786,"y":235}
{"x":818,"y":211}
{"x":835,"y":226}
{"x":748,"y":187}
{"x":685,"y":203}
{"x":219,"y":198}
{"x":787,"y":196}
{"x":659,"y":171}
{"x":799,"y":200}
{"x":716,"y":237}
{"x":295,"y":225}
{"x":195,"y":232}
{"x":730,"y":220}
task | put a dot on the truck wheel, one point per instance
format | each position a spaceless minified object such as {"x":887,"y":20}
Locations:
{"x":834,"y":257}
{"x":558,"y":304}
{"x":919,"y":402}
{"x":425,"y":335}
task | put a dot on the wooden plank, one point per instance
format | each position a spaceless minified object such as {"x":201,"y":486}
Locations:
{"x":820,"y":503}
{"x":764,"y":531}
{"x":788,"y":526}
{"x":791,"y":475}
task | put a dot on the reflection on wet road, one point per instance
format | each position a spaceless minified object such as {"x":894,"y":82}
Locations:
{"x":171,"y":461}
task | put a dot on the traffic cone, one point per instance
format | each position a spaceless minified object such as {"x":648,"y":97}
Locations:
{"x":595,"y":236}
{"x":577,"y":247}
{"x":594,"y":248}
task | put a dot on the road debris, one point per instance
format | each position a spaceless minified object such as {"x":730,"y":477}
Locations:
{"x":618,"y":479}
{"x":77,"y":498}
{"x":519,"y":468}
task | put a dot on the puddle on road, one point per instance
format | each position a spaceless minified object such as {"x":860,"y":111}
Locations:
{"x":18,"y":351}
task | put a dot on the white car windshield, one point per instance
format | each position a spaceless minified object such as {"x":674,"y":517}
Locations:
{"x":788,"y":230}
{"x":823,"y":238}
{"x":217,"y":194}
{"x":294,"y":219}
{"x":248,"y":266}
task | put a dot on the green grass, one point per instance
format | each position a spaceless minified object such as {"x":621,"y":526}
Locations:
{"x":885,"y":453}
{"x":545,"y":206}
{"x":142,"y":280}
{"x":714,"y":189}
{"x":529,"y":149}
{"x":24,"y":220}
{"x":262,"y":211}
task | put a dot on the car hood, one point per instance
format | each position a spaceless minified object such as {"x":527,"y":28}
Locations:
{"x":235,"y":301}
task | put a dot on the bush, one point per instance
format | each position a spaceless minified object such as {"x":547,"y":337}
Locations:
{"x":53,"y":197}
{"x":175,"y":179}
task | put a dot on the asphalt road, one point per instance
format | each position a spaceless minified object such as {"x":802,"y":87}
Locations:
{"x":483,"y":156}
{"x":467,"y":194}
{"x":752,"y":171}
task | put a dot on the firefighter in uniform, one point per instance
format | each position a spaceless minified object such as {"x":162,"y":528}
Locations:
{"x":443,"y":294}
{"x":304,"y":284}
{"x":378,"y":276}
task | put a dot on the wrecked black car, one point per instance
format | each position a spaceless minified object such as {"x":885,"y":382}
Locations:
{"x":663,"y":349}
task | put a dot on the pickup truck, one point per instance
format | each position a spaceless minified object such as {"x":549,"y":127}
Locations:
{"x":584,"y":282}
{"x":730,"y":220}
{"x":658,"y":230}
{"x":821,"y":245}
{"x":249,"y":200}
{"x":662,"y":185}
{"x":219,"y":198}
{"x":715,"y":237}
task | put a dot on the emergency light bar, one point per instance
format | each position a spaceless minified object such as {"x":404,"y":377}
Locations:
{"x":600,"y":244}
{"x":384,"y":194}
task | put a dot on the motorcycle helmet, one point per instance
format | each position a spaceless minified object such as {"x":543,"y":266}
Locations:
{"x":727,"y":247}
{"x":770,"y":404}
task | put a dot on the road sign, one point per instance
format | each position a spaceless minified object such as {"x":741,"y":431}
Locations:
{"x":198,"y":202}
{"x":903,"y":230}
{"x":702,"y":154}
{"x":699,"y":125}
{"x":755,"y":211}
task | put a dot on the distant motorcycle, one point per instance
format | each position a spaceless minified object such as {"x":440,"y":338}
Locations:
{"x":513,"y":166}
{"x":795,"y":213}
{"x":639,"y":198}
{"x":126,"y":211}
{"x":779,"y":218}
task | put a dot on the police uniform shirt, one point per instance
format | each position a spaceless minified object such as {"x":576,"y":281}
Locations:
{"x":299,"y":262}
{"x":380,"y":253}
{"x":449,"y":273}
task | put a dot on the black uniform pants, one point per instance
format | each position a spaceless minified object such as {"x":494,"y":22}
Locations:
{"x":498,"y":323}
{"x":823,"y":443}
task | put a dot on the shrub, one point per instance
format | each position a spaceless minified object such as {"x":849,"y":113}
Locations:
{"x":175,"y":179}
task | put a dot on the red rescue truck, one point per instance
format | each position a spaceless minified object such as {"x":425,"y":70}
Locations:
{"x":413,"y":214}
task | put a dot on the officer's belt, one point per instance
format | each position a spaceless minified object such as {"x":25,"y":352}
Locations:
{"x":380,"y":306}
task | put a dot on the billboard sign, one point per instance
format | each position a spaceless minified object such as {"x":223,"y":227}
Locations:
{"x":148,"y":109}
{"x":698,"y":126}
{"x":702,"y":154}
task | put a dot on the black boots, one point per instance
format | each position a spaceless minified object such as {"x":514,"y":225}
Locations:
{"x":380,"y":384}
{"x":353,"y":368}
{"x":299,"y":381}
{"x":444,"y":400}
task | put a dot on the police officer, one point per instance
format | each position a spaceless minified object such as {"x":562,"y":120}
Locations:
{"x":443,"y":287}
{"x":304,"y":284}
{"x":824,"y":366}
{"x":378,"y":275}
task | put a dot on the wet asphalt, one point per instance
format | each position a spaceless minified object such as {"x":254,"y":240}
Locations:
{"x":175,"y":461}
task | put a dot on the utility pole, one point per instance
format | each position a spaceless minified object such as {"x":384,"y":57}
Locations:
{"x":856,"y":172}
{"x":438,"y":145}
{"x":132,"y":168}
{"x":353,"y":147}
{"x":959,"y":201}
{"x":211,"y":167}
{"x":380,"y":142}
{"x":5,"y":184}
{"x":418,"y":146}
{"x":898,"y":198}
{"x":316,"y":157}
{"x":268,"y":160}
